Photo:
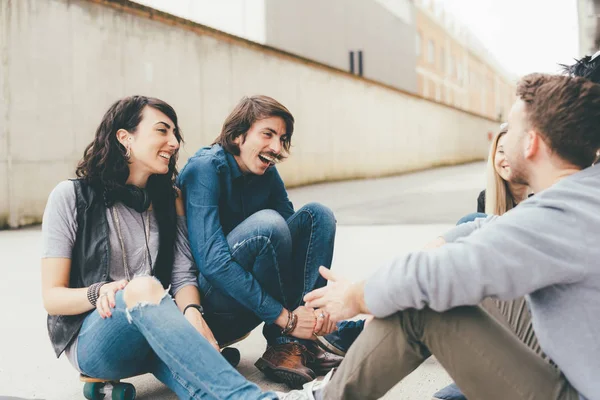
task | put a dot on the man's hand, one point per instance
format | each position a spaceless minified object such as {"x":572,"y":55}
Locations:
{"x":306,"y":323}
{"x":195,"y":318}
{"x":341,"y":299}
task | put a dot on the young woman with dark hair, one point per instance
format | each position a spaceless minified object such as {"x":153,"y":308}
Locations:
{"x":114,"y":251}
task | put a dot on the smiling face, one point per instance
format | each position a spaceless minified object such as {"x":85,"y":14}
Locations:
{"x":515,"y":143}
{"x":500,"y":163}
{"x":262,"y":146}
{"x":152,"y":145}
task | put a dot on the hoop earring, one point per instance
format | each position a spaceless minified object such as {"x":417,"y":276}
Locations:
{"x":597,"y":157}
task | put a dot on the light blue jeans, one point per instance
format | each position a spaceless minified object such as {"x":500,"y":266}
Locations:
{"x":470,"y":218}
{"x":157,"y":338}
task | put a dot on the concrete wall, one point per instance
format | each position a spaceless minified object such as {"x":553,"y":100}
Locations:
{"x":64,"y":62}
{"x":327,"y":31}
{"x":589,"y":29}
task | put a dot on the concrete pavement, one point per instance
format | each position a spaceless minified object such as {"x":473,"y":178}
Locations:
{"x":377,"y":219}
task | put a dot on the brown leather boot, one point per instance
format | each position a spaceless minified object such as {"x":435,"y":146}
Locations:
{"x":286,"y":363}
{"x":321,"y":361}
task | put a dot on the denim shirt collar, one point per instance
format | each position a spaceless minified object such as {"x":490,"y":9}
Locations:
{"x":236,"y":172}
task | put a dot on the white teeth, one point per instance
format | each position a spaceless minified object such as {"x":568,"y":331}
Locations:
{"x":268,"y":158}
{"x":165,"y":155}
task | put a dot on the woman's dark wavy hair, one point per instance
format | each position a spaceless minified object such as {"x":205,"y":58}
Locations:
{"x":105,"y":168}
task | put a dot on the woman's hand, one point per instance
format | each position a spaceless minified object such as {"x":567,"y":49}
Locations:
{"x":106,"y":298}
{"x":324,"y":324}
{"x":195,"y":318}
{"x":306,"y":323}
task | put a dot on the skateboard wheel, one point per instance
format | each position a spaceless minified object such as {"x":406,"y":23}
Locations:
{"x":123,"y":391}
{"x":93,"y":390}
{"x":232,"y":355}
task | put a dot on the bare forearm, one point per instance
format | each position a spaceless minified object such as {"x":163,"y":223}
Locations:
{"x":282,"y":320}
{"x":187,"y":295}
{"x":66,"y":301}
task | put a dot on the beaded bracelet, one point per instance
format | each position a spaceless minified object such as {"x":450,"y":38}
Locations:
{"x":93,"y":292}
{"x":291,"y":324}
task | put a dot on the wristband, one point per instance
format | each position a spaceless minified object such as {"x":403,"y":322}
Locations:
{"x":196,"y":306}
{"x":93,"y":292}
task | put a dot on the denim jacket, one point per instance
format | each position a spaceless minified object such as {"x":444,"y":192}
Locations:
{"x":219,"y":197}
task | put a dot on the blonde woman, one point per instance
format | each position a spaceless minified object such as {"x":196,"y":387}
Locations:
{"x":500,"y":194}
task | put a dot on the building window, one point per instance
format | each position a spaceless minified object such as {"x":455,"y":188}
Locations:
{"x":442,"y":60}
{"x":418,"y":44}
{"x":438,"y":93}
{"x":431,"y":52}
{"x":451,"y":66}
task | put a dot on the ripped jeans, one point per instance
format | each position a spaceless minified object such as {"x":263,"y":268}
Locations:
{"x":157,"y":338}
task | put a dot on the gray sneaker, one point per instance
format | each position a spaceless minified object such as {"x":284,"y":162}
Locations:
{"x":308,"y":390}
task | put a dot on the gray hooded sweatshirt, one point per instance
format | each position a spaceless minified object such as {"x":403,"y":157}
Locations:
{"x":548,"y":249}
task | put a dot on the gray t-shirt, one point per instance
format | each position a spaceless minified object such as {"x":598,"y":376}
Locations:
{"x":59,"y":230}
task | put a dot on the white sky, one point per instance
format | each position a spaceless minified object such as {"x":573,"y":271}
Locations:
{"x":524,"y":35}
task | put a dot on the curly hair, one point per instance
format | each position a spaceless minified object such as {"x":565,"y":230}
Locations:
{"x":104,"y":164}
{"x":105,"y":168}
{"x":566,"y":111}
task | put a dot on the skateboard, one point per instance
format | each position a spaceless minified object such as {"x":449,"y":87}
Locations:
{"x":104,"y":389}
{"x":98,"y":389}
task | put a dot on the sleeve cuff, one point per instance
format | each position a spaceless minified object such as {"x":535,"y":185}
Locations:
{"x":374,"y":300}
{"x":177,"y":288}
{"x":269,"y":310}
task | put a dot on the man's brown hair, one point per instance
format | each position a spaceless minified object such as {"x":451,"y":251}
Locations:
{"x":248,"y":111}
{"x":566,"y":112}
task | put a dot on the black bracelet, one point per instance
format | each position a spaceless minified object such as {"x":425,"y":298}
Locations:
{"x":196,"y":306}
{"x":93,"y":292}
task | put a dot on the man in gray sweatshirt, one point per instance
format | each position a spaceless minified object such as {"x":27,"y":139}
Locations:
{"x":547,"y":249}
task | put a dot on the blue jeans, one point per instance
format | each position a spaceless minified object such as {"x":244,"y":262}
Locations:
{"x":470,"y":218}
{"x":284,"y":257}
{"x":157,"y":338}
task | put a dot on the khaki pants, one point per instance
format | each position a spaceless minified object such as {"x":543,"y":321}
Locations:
{"x":486,"y":359}
{"x":515,"y":315}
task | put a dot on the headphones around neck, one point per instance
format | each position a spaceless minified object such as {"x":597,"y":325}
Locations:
{"x":133,"y":197}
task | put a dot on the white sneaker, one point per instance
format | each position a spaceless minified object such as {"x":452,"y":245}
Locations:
{"x":308,"y":390}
